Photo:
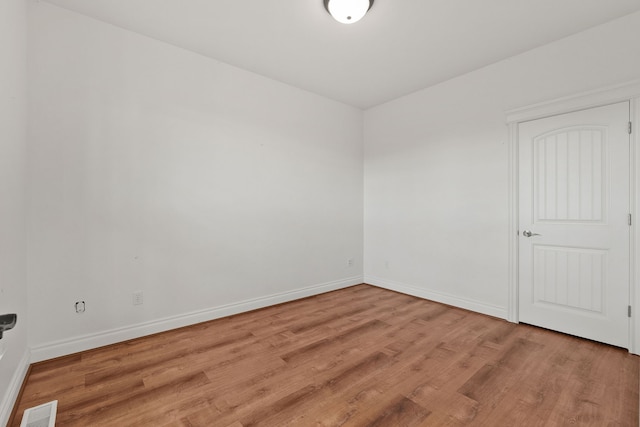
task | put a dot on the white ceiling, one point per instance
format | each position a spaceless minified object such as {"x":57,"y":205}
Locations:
{"x":399,"y":47}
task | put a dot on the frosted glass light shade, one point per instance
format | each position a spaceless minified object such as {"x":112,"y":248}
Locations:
{"x":348,"y":11}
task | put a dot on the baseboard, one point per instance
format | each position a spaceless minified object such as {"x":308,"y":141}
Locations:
{"x":467,"y":304}
{"x":100,"y":339}
{"x":7,"y":404}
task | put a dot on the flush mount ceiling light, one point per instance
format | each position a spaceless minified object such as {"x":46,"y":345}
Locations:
{"x":347,"y":11}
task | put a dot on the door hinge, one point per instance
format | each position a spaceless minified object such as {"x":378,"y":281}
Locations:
{"x":629,"y":311}
{"x":629,"y":128}
{"x":629,"y":219}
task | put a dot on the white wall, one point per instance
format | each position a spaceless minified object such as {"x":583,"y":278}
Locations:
{"x":155,"y":169}
{"x":436,"y":196}
{"x":214,"y":190}
{"x":13,"y":127}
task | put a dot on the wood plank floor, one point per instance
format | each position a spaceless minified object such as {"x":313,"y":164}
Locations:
{"x":361,"y":356}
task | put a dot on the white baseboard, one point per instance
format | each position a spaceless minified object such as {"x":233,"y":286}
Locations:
{"x":87,"y":342}
{"x":467,"y":304}
{"x":6,"y":405}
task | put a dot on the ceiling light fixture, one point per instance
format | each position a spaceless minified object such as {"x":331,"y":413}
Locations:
{"x":347,"y":11}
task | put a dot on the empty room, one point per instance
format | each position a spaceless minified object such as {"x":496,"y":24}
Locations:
{"x":319,"y":213}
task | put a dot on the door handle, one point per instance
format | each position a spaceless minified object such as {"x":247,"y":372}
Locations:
{"x":527,"y":233}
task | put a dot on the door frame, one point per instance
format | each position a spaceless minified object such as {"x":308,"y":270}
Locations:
{"x":629,"y":91}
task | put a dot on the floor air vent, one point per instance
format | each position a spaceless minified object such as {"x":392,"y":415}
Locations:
{"x":40,"y":416}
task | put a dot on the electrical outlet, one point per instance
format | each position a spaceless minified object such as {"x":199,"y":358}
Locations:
{"x":138,"y":298}
{"x":350,"y":262}
{"x":386,"y":265}
{"x":80,"y":307}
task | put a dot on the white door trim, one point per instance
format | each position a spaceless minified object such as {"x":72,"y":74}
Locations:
{"x":629,"y":91}
{"x":581,"y":101}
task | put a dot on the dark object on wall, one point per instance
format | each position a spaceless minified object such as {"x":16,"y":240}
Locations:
{"x":7,"y":321}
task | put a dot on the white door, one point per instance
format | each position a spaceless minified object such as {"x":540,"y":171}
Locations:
{"x":574,"y":223}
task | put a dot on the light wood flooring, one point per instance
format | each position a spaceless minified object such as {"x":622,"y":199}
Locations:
{"x":360,"y":356}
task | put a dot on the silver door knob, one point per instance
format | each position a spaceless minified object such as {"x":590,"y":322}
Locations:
{"x":527,"y":233}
